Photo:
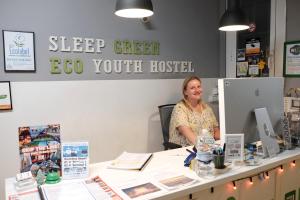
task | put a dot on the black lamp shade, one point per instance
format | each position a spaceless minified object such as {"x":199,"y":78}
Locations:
{"x":234,"y":18}
{"x":134,"y":8}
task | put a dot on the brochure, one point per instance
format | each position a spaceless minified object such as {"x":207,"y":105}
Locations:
{"x":39,"y":148}
{"x":133,"y":161}
{"x":75,"y":160}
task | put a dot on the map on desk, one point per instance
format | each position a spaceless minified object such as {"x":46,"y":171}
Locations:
{"x":39,"y":148}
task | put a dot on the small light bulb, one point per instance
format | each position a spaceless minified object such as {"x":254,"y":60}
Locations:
{"x":251,"y":181}
{"x":281,"y":168}
{"x":234,"y":186}
{"x":293,"y":164}
{"x":267,"y":175}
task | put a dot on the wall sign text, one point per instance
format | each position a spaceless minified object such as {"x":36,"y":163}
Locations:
{"x":107,"y":66}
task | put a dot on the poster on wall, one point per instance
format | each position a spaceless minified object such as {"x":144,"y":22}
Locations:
{"x":19,"y":53}
{"x":253,"y":46}
{"x":5,"y":96}
{"x":240,"y":54}
{"x":39,"y":148}
{"x":291,"y":59}
{"x":75,"y":160}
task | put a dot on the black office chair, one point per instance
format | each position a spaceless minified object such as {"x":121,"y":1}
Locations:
{"x":165,"y":112}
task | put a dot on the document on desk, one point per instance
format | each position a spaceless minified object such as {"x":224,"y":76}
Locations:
{"x":26,"y":195}
{"x":154,"y":183}
{"x":139,"y":188}
{"x":171,"y":180}
{"x":92,"y":189}
{"x":133,"y":161}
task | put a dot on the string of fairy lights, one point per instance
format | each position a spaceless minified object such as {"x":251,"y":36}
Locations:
{"x":264,"y":174}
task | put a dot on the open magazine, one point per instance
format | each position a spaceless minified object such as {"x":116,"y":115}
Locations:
{"x":133,"y":161}
{"x":91,"y":189}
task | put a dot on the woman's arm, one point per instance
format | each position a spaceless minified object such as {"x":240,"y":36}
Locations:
{"x":216,"y":133}
{"x":191,"y":136}
{"x":188,"y":133}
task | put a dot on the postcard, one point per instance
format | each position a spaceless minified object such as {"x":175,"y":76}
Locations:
{"x":141,"y":190}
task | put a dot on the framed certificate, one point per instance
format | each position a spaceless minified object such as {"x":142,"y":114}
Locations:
{"x":5,"y":96}
{"x":19,"y":53}
{"x":291,"y":59}
{"x":234,"y":147}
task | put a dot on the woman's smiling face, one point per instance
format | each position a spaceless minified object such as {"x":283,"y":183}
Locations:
{"x":193,"y":91}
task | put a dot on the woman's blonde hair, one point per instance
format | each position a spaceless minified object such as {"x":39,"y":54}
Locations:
{"x":186,"y":82}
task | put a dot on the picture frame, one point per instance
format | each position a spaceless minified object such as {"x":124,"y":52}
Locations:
{"x":19,"y":51}
{"x":240,"y":55}
{"x":234,"y":147}
{"x":5,"y":96}
{"x":253,"y":70}
{"x":241,"y":69}
{"x":291,"y":59}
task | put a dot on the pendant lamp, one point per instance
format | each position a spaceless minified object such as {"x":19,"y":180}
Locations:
{"x":134,"y":8}
{"x":234,"y":18}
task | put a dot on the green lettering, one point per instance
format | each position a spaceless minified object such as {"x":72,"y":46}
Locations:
{"x":147,"y":48}
{"x":155,"y":48}
{"x":54,"y":65}
{"x":137,"y":47}
{"x":67,"y":70}
{"x":118,"y":47}
{"x":127,"y":47}
{"x":78,"y":66}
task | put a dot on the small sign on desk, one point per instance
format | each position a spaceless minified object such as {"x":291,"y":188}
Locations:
{"x":75,"y":160}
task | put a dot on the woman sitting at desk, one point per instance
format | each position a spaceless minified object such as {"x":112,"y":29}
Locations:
{"x":191,"y":115}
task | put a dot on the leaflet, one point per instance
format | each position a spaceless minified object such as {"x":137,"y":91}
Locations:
{"x":75,"y":160}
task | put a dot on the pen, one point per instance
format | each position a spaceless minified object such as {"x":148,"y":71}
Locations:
{"x":189,"y":151}
{"x":40,"y":191}
{"x":224,"y":147}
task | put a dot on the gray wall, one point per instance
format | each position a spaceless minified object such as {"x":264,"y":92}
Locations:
{"x":292,"y":33}
{"x":186,"y":31}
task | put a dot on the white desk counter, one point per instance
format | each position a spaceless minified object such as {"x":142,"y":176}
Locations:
{"x":276,"y":187}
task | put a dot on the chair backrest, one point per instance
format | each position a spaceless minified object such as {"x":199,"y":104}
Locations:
{"x":165,"y":112}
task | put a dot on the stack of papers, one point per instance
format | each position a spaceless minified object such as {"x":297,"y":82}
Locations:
{"x":133,"y":161}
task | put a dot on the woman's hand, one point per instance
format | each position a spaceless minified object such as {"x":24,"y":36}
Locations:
{"x":216,"y":133}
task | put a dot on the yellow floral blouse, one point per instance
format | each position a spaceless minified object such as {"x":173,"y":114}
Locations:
{"x":182,"y":115}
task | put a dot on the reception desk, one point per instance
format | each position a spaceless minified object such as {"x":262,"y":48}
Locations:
{"x":269,"y":181}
